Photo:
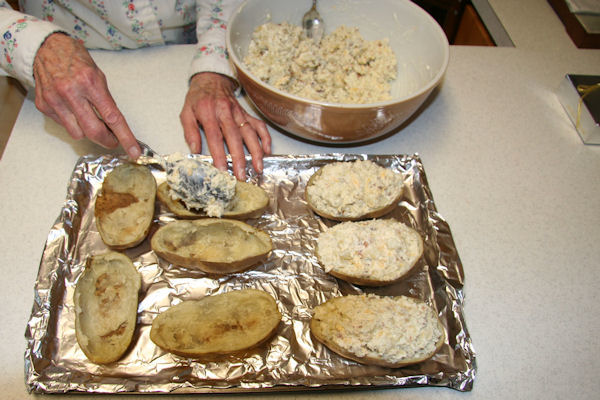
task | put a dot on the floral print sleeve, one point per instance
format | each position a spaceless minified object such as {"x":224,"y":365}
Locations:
{"x":114,"y":25}
{"x":20,"y":38}
{"x":211,"y":25}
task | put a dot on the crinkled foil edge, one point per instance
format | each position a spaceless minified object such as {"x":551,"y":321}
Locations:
{"x":293,"y":361}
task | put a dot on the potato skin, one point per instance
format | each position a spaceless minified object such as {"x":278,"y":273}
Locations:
{"x":407,"y":266}
{"x":320,"y":333}
{"x":106,"y":300}
{"x":366,"y":281}
{"x":124,"y":207}
{"x":250,"y":201}
{"x":209,"y":244}
{"x":375,"y":213}
{"x":216,"y":325}
{"x":369,"y":360}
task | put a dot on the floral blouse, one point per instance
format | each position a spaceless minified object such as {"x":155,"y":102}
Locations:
{"x":114,"y":25}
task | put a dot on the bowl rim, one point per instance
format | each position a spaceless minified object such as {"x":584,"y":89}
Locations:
{"x":431,"y":84}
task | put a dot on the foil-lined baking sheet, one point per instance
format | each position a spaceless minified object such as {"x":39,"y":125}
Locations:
{"x":292,"y":360}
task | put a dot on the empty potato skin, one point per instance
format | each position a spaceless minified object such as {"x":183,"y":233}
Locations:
{"x":217,"y":325}
{"x":320,"y":332}
{"x":124,"y":208}
{"x":106,"y":301}
{"x":215,"y":246}
{"x":250,"y":201}
{"x":374,"y":213}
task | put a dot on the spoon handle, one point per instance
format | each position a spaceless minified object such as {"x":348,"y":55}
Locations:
{"x":146,"y":150}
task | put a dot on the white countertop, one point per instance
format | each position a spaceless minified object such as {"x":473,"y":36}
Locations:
{"x":508,"y":172}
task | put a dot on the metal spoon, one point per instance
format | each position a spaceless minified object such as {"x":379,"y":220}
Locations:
{"x":312,"y":23}
{"x":148,"y":152}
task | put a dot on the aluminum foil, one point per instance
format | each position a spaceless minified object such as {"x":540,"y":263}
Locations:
{"x":292,"y":360}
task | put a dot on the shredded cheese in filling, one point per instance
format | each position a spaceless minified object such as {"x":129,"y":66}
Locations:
{"x":382,"y":249}
{"x":342,"y":68}
{"x":394,"y":329}
{"x":353,"y":189}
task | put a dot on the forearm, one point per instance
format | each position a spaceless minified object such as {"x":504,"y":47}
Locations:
{"x":211,"y":26}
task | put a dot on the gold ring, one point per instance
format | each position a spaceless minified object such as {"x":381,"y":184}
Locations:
{"x":243,"y":123}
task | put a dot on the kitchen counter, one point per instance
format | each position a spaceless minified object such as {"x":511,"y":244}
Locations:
{"x":508,"y":172}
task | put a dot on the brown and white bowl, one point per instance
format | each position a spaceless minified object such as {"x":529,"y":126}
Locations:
{"x":419,"y":43}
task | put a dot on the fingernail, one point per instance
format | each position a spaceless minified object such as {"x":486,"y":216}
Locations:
{"x":134,"y":152}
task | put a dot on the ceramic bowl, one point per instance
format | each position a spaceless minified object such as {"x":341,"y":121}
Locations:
{"x":419,"y":43}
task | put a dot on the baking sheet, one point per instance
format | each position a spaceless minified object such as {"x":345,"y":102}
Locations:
{"x":293,"y":360}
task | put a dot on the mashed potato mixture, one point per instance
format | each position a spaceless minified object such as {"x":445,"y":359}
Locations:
{"x":342,"y":68}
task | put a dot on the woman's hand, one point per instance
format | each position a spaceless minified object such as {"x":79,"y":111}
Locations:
{"x":211,"y":103}
{"x":71,"y":89}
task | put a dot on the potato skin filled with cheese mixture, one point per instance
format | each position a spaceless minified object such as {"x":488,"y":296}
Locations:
{"x":219,"y":324}
{"x":353,"y":190}
{"x":386,"y":331}
{"x":371,"y":253}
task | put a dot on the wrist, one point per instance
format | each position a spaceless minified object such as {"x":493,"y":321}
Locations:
{"x":214,"y":78}
{"x":54,"y":38}
{"x":51,"y":42}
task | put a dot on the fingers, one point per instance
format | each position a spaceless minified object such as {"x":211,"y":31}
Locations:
{"x":53,"y":107}
{"x":77,"y":117}
{"x":233,"y":137}
{"x":211,"y":103}
{"x":263,"y":133}
{"x":250,"y":130}
{"x":72,"y":90}
{"x":103,"y":102}
{"x":215,"y":140}
{"x":190,"y":130}
{"x":232,"y":126}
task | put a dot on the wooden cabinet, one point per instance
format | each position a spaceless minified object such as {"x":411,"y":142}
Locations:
{"x":446,"y":12}
{"x":12,"y":95}
{"x":471,"y":30}
{"x":459,"y":20}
